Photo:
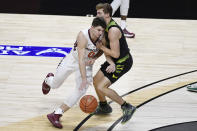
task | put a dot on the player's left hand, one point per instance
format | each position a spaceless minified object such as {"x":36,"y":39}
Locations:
{"x":111,"y":68}
{"x":84,"y":84}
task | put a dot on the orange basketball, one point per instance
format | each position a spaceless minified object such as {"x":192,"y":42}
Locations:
{"x":88,"y":103}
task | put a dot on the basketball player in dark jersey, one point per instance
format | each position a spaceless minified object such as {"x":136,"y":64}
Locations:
{"x":118,"y":62}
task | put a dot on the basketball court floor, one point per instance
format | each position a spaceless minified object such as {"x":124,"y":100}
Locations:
{"x":165,"y":61}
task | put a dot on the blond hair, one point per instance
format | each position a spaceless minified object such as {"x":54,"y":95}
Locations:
{"x":106,"y":8}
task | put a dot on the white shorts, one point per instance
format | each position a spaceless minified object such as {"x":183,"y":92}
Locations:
{"x":123,"y":4}
{"x":68,"y":65}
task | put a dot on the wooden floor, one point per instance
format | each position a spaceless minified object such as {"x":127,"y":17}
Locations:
{"x":161,"y":49}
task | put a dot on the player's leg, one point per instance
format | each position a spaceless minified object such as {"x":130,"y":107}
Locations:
{"x":64,"y":69}
{"x":75,"y":95}
{"x":102,"y":80}
{"x":115,"y":5}
{"x":103,"y":107}
{"x":124,"y":8}
{"x":96,"y":81}
{"x":122,"y":67}
{"x":103,"y":88}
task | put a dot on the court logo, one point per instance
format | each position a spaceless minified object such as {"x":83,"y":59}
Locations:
{"x":34,"y":51}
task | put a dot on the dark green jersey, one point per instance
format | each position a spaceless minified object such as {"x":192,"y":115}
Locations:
{"x":124,"y":50}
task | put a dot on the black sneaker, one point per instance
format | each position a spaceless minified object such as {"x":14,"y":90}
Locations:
{"x":103,"y":109}
{"x":128,"y":111}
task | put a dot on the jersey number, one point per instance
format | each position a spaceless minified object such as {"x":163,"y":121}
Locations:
{"x":91,"y":54}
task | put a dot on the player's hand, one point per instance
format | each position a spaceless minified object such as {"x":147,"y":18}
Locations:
{"x":111,"y":68}
{"x":84,"y":84}
{"x":99,"y":44}
{"x":90,"y":62}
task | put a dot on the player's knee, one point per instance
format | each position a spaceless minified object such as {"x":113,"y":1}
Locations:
{"x":95,"y":83}
{"x":99,"y":88}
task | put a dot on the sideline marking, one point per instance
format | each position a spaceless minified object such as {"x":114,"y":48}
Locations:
{"x":41,"y":51}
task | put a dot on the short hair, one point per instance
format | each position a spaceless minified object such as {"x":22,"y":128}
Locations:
{"x":99,"y":21}
{"x":106,"y":8}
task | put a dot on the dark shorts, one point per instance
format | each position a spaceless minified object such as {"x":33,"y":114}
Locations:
{"x":123,"y":65}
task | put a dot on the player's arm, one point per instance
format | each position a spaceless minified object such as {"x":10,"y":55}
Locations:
{"x":114,"y":35}
{"x":100,"y":52}
{"x":82,"y":42}
{"x":109,"y":59}
{"x":112,"y":66}
{"x":102,"y":42}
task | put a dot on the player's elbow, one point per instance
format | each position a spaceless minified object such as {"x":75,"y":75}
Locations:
{"x":116,"y":55}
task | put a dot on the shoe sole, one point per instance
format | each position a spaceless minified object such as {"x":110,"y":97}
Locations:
{"x":128,"y":36}
{"x":192,"y":90}
{"x":50,"y":119}
{"x":102,"y":113}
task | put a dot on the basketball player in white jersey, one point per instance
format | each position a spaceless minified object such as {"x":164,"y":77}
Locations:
{"x":80,"y":60}
{"x":124,"y":8}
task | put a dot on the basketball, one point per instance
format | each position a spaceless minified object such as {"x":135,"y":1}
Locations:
{"x":88,"y":103}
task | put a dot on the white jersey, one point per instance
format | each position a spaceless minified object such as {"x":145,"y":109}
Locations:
{"x":90,"y":50}
{"x":70,"y":64}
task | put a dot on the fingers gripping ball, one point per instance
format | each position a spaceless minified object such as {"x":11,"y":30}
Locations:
{"x":88,"y":103}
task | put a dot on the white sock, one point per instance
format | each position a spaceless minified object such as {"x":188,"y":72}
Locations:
{"x":58,"y":111}
{"x":123,"y":24}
